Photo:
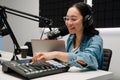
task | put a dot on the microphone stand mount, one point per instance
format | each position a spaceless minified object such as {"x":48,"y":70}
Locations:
{"x":6,"y":26}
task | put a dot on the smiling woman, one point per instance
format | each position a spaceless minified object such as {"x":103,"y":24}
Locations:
{"x":84,"y":47}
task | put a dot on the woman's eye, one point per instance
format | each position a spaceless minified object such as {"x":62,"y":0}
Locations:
{"x":73,"y":19}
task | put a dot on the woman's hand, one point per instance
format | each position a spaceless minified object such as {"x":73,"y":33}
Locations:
{"x":44,"y":56}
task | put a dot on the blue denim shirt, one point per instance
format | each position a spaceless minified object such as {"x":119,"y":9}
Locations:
{"x":90,"y":51}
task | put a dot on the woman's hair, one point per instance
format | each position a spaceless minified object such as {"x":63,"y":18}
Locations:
{"x":88,"y":22}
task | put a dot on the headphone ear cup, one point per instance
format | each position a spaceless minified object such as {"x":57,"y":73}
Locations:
{"x":88,"y":20}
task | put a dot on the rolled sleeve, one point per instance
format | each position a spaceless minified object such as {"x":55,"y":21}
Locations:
{"x":91,"y":54}
{"x":72,"y":60}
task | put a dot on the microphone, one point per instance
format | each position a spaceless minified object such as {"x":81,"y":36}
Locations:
{"x":62,"y":31}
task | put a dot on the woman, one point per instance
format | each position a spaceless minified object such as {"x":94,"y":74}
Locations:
{"x":84,"y":45}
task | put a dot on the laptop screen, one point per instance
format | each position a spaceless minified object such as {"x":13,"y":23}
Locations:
{"x":47,"y":45}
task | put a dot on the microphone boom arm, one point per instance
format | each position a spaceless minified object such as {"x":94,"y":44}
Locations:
{"x":18,"y":13}
{"x":7,"y":27}
{"x":4,"y":10}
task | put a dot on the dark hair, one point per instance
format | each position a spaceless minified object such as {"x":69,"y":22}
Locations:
{"x":85,"y":10}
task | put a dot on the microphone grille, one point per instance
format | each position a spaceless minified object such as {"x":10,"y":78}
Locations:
{"x":63,"y":31}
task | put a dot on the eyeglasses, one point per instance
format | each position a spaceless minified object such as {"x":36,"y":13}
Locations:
{"x":66,"y":19}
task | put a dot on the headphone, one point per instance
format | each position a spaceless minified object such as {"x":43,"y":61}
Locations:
{"x":88,"y":21}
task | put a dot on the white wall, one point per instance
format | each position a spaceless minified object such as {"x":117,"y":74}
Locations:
{"x":25,"y":29}
{"x":0,"y":43}
{"x":112,"y":41}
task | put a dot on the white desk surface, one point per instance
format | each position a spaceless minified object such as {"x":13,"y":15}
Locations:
{"x":73,"y":73}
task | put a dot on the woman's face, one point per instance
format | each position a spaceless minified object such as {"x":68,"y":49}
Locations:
{"x":74,"y":21}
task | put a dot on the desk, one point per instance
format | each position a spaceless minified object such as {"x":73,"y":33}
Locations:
{"x":73,"y":74}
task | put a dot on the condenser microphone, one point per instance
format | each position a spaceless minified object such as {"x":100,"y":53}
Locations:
{"x":62,"y":31}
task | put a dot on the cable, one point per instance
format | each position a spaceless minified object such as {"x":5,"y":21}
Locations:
{"x":42,"y":33}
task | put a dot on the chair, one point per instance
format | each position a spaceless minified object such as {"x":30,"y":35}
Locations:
{"x":106,"y":59}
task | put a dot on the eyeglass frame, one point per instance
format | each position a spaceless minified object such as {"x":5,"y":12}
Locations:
{"x":73,"y":19}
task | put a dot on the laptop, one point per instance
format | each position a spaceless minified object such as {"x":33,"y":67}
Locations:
{"x":47,"y":45}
